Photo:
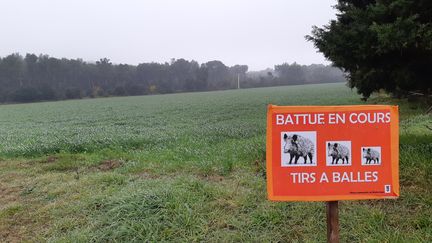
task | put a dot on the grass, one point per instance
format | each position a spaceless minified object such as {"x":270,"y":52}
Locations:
{"x":185,"y":167}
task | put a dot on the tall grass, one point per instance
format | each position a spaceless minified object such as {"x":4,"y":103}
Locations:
{"x":185,"y":168}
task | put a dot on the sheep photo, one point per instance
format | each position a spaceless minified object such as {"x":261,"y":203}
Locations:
{"x":298,"y":148}
{"x":338,"y":153}
{"x":371,"y":155}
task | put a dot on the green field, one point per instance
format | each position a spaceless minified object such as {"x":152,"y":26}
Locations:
{"x":186,"y":167}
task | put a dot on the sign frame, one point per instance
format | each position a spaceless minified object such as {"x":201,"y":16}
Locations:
{"x":394,"y":147}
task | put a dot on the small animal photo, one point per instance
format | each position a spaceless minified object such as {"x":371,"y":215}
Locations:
{"x":338,"y":153}
{"x":371,"y":155}
{"x":298,"y":148}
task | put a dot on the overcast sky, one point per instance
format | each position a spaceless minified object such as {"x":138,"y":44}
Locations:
{"x":257,"y":33}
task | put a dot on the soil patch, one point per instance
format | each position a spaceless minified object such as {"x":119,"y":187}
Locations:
{"x":48,"y":160}
{"x":147,"y":175}
{"x":107,"y":165}
{"x":8,"y":195}
{"x":213,"y":178}
{"x":51,"y":159}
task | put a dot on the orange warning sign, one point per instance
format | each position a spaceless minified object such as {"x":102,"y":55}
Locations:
{"x":327,"y":153}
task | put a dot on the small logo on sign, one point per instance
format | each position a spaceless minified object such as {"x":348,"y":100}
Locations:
{"x":387,"y":188}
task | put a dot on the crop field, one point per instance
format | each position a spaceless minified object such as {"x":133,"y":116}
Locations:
{"x":186,"y":168}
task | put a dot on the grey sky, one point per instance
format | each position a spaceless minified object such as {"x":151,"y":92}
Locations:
{"x":257,"y":33}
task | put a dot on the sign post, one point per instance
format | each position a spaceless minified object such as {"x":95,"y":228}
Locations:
{"x":332,"y":153}
{"x":332,"y":222}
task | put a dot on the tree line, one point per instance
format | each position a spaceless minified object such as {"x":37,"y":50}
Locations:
{"x":37,"y":78}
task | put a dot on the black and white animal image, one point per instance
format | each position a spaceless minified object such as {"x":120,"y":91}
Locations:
{"x":338,"y":151}
{"x":298,"y":146}
{"x":371,"y":155}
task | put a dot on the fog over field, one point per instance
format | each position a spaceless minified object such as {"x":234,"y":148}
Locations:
{"x":260,"y":34}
